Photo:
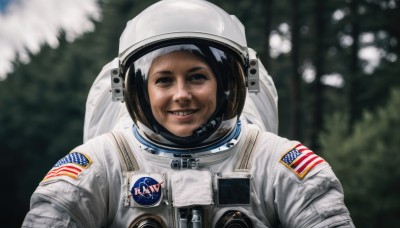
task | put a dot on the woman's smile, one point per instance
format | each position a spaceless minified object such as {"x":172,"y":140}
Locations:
{"x":183,"y":112}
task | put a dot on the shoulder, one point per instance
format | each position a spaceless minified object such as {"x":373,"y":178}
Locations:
{"x":79,"y":182}
{"x":84,"y":162}
{"x":292,"y":165}
{"x":288,"y":157}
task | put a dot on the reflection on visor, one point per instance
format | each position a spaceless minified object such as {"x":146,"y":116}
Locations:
{"x":144,"y":63}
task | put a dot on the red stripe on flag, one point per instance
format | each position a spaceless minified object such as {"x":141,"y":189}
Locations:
{"x":318,"y":162}
{"x":303,"y":156}
{"x":300,"y":169}
{"x":68,"y":166}
{"x":304,"y":150}
{"x":62,"y":174}
{"x":63,"y":170}
{"x":311,"y":166}
{"x":72,"y":168}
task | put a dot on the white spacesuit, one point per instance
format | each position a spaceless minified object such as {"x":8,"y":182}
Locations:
{"x":231,"y":172}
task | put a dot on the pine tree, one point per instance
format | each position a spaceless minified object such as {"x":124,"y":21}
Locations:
{"x":366,"y":161}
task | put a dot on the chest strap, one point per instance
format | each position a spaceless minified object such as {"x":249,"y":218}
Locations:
{"x":245,"y":159}
{"x":126,"y":157}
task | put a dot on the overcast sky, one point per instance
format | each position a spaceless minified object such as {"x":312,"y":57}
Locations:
{"x":26,"y":25}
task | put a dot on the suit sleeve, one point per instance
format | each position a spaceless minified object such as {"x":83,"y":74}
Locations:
{"x":44,"y":213}
{"x":65,"y":200}
{"x":311,"y":199}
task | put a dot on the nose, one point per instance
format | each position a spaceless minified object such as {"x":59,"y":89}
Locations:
{"x":182,"y":92}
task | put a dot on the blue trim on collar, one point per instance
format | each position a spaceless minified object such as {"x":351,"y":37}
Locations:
{"x":159,"y":149}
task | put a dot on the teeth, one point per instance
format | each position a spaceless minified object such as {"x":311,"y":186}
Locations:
{"x":185,"y":113}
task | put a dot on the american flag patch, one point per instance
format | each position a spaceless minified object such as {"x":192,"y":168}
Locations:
{"x":71,"y":165}
{"x":300,"y":160}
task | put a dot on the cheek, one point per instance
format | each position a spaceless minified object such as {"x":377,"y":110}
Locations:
{"x":156,"y":98}
{"x":209,"y":97}
{"x":213,"y":91}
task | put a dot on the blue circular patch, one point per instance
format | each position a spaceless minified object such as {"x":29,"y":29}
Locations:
{"x":146,"y":191}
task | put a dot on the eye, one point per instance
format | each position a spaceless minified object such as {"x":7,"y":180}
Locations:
{"x":163,"y":80}
{"x":197,"y":77}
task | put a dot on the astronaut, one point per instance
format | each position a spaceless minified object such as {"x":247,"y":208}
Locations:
{"x":199,"y":153}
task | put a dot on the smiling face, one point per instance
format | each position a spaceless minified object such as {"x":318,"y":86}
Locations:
{"x":182,"y":90}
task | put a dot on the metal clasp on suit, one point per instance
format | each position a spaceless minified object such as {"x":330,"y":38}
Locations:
{"x":185,"y":163}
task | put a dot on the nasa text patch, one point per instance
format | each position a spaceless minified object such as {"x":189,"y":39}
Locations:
{"x":145,"y":190}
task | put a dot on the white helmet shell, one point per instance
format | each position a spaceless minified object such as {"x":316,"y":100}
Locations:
{"x":173,"y":19}
{"x":214,"y":32}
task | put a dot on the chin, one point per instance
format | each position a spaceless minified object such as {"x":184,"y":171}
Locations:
{"x":183,"y":132}
{"x":180,"y":134}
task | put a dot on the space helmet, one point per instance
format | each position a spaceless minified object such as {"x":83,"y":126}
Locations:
{"x":198,"y":27}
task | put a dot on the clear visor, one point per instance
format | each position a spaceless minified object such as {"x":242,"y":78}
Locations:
{"x":225,"y":65}
{"x":144,"y":63}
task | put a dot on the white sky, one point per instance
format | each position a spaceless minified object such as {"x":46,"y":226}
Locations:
{"x":26,"y":25}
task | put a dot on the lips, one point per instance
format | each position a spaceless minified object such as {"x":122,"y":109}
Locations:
{"x":183,"y":113}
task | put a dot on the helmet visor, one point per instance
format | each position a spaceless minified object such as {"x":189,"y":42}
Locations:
{"x":225,"y":66}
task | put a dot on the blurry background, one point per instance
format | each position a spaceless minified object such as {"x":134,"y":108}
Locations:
{"x":334,"y":63}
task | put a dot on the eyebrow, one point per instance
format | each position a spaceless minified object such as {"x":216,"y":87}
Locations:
{"x":191,"y":70}
{"x":196,"y":69}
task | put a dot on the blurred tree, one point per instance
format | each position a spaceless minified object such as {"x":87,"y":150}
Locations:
{"x":382,"y":17}
{"x":319,"y":60}
{"x":295,"y":85}
{"x":267,"y":15}
{"x":354,"y":72}
{"x":280,"y":64}
{"x":366,"y":161}
{"x":364,"y":89}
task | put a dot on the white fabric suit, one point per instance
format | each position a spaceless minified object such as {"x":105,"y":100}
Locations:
{"x":95,"y":198}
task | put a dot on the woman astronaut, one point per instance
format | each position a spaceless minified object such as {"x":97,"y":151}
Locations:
{"x":189,"y":160}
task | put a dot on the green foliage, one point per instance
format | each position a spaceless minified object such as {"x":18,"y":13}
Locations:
{"x":41,"y":120}
{"x":366,"y":160}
